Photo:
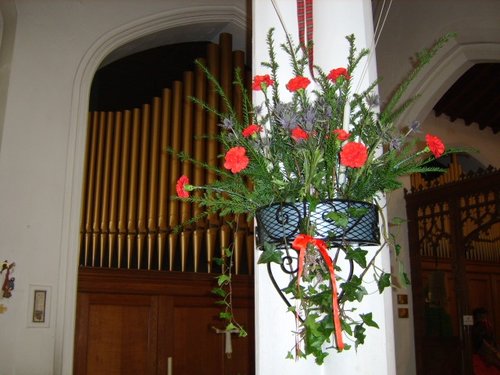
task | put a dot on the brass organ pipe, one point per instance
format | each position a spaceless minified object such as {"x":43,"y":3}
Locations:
{"x":226,"y":68}
{"x":106,"y":186}
{"x":115,"y":183}
{"x":173,"y":213}
{"x":98,"y":186}
{"x":238,"y":65}
{"x":133,"y":186}
{"x":143,"y":183}
{"x":84,"y":209}
{"x":250,"y":252}
{"x":153,"y":179}
{"x":199,"y":154}
{"x":143,"y":169}
{"x":164,"y":175}
{"x":123,"y":186}
{"x":92,"y":133}
{"x":187,"y":142}
{"x":212,"y":101}
{"x":127,"y":194}
{"x":240,"y":243}
{"x":212,"y":146}
{"x":239,"y":239}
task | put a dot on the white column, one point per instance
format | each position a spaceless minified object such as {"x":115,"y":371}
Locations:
{"x":333,"y":20}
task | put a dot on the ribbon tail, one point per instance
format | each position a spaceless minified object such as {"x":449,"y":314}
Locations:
{"x":310,"y":35}
{"x":335,"y":303}
{"x":301,"y":22}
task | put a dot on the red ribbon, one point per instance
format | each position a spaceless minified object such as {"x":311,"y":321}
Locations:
{"x":305,"y":23}
{"x":300,"y":244}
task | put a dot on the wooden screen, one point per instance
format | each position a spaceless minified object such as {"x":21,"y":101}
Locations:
{"x":454,"y":234}
{"x":128,"y":215}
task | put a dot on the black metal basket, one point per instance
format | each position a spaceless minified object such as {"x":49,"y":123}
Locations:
{"x":280,"y":223}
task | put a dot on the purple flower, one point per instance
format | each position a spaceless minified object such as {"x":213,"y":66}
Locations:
{"x":396,"y":143}
{"x":372,"y":100}
{"x":309,"y":118}
{"x":415,"y":126}
{"x":286,"y":115}
{"x":227,"y":124}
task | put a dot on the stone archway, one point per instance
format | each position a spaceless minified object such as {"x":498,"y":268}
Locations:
{"x":192,"y":18}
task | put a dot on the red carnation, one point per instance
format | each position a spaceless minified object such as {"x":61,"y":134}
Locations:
{"x":251,"y":129}
{"x":262,"y":82}
{"x":297,"y":83}
{"x":180,"y":187}
{"x":236,"y":159}
{"x":299,"y":134}
{"x":336,"y":73}
{"x":435,"y":145}
{"x":341,"y":134}
{"x":354,"y":155}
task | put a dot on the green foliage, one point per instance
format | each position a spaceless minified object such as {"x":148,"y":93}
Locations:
{"x":224,"y":292}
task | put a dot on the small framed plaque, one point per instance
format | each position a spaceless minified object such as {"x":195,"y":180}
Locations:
{"x":402,"y":299}
{"x":39,"y":306}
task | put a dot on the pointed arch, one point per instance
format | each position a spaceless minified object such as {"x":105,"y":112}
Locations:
{"x":209,"y":18}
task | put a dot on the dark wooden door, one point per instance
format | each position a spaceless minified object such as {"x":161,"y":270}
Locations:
{"x":199,"y":344}
{"x":143,"y":322}
{"x":116,"y":334}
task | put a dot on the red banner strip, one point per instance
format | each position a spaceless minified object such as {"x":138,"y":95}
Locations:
{"x":306,"y":27}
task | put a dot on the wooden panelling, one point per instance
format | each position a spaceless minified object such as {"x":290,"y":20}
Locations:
{"x":133,"y":321}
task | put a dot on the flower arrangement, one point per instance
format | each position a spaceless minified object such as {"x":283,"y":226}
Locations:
{"x":326,"y":144}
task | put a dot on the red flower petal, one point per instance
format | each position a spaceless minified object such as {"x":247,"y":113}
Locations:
{"x":297,"y":83}
{"x":251,"y":129}
{"x":299,"y":134}
{"x":236,"y":159}
{"x":260,"y":82}
{"x":353,"y":154}
{"x":336,"y":73}
{"x":341,"y":134}
{"x":180,"y":187}
{"x":435,"y":145}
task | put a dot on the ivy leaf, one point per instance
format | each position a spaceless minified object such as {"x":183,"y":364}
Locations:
{"x":218,"y":261}
{"x":242,"y":332}
{"x":384,"y":282}
{"x":219,"y":292}
{"x":358,"y":255}
{"x":346,"y":327}
{"x":223,"y":279}
{"x":368,"y":320}
{"x":359,"y":334}
{"x":397,"y":221}
{"x":340,"y":219}
{"x":397,"y":249}
{"x":270,"y":254}
{"x":228,"y":252}
{"x":357,"y":212}
{"x":225,"y":315}
{"x":353,"y":290}
{"x":406,"y":278}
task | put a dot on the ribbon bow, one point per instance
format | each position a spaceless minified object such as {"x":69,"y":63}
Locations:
{"x":300,"y":244}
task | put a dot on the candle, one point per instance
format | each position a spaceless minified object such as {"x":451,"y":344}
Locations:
{"x":347,"y":115}
{"x":169,"y":366}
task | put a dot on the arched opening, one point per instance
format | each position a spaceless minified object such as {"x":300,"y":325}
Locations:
{"x":211,"y":21}
{"x":130,"y":225}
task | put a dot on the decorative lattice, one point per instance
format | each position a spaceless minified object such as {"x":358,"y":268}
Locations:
{"x":281,"y":223}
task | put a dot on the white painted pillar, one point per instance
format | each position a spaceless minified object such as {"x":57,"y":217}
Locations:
{"x":333,"y":20}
